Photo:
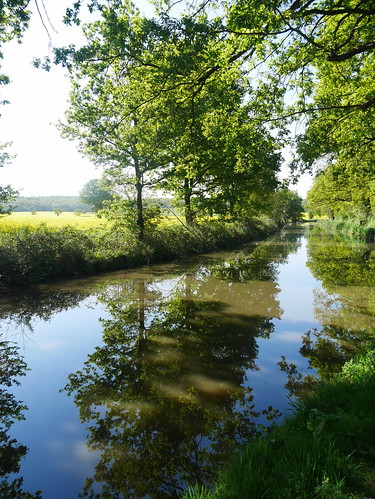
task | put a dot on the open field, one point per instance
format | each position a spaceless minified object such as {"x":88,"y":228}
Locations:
{"x":22,"y":218}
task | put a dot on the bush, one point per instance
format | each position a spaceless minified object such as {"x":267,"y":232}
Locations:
{"x":38,"y":254}
{"x":34,"y":254}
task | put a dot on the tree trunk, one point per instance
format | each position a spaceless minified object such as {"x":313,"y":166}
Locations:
{"x":189,"y":215}
{"x":139,"y":188}
{"x":140,"y":219}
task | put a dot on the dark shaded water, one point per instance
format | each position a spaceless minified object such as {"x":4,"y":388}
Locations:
{"x":143,"y":382}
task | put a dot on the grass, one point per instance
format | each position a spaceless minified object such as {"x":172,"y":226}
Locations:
{"x":325,"y":449}
{"x":41,"y":252}
{"x":50,"y":219}
{"x":353,"y":229}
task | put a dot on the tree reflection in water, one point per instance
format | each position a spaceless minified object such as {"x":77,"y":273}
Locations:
{"x":345,"y":308}
{"x":165,"y":397}
{"x":12,"y":367}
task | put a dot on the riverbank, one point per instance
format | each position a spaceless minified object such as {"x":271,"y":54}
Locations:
{"x":38,"y":254}
{"x":325,"y":449}
{"x":354,"y":229}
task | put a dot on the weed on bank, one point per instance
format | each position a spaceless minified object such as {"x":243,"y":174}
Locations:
{"x":31,"y":254}
{"x":325,"y":449}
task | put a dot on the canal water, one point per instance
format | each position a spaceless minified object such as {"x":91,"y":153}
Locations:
{"x":139,"y":383}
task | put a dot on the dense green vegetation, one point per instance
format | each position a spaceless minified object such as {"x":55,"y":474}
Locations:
{"x":34,"y":248}
{"x":198,"y":101}
{"x":33,"y":254}
{"x":353,"y":228}
{"x":185,"y":101}
{"x":324,"y":449}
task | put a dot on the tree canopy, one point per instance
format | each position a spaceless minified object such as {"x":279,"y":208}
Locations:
{"x":289,"y":61}
{"x":134,"y":110}
{"x":200,"y":98}
{"x":94,"y":195}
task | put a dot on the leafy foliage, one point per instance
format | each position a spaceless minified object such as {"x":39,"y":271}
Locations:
{"x":94,"y":195}
{"x":135,"y":115}
{"x":310,"y":59}
{"x":39,"y":253}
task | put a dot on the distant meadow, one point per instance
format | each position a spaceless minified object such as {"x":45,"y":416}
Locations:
{"x":81,"y":221}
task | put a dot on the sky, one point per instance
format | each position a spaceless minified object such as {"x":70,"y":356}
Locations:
{"x":45,"y":163}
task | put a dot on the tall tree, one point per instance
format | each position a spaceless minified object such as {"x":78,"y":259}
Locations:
{"x":106,"y":114}
{"x":136,"y":114}
{"x":222,"y":159}
{"x":94,"y":195}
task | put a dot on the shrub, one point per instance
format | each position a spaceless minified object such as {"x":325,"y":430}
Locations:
{"x":30,"y":254}
{"x":38,"y":254}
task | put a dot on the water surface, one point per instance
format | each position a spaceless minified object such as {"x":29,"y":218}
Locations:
{"x":140,"y":383}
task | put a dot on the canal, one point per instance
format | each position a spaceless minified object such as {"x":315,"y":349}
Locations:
{"x":136,"y":384}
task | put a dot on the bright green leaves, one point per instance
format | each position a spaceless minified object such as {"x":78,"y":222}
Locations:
{"x":14,"y":19}
{"x":169,"y":112}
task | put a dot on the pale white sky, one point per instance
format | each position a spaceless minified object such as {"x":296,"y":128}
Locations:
{"x":45,"y":164}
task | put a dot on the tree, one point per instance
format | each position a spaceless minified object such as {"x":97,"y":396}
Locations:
{"x":205,"y":148}
{"x":311,"y":59}
{"x":106,"y":115}
{"x":286,"y":206}
{"x":222,"y":161}
{"x":328,"y":196}
{"x":94,"y":195}
{"x":7,"y":193}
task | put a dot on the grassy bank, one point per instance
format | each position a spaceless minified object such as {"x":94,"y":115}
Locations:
{"x":325,"y":449}
{"x":353,"y":229}
{"x":30,"y":254}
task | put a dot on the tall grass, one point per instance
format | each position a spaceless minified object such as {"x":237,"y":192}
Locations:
{"x":325,"y":449}
{"x":34,"y":254}
{"x":352,"y":228}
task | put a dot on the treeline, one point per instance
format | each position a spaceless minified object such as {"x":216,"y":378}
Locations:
{"x":49,"y":203}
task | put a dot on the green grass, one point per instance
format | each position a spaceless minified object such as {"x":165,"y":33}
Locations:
{"x":353,"y":229}
{"x":37,"y":253}
{"x":50,"y":219}
{"x":326,"y":449}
